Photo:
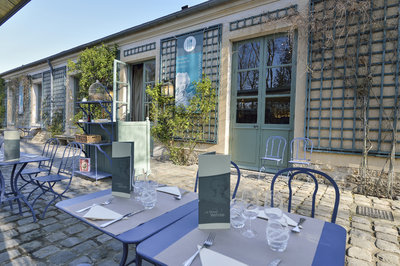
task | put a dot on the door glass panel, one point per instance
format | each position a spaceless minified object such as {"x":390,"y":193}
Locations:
{"x":249,"y":55}
{"x":279,"y":51}
{"x":150,"y":71}
{"x":247,"y":83}
{"x":278,"y":80}
{"x":246,"y":110}
{"x":277,"y":110}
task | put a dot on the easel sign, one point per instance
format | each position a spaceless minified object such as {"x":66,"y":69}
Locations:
{"x":214,"y":191}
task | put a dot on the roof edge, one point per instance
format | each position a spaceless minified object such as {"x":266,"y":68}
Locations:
{"x":181,"y":13}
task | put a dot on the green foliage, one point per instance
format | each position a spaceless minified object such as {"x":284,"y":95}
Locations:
{"x":56,"y":126}
{"x":181,"y":128}
{"x":93,"y":64}
{"x":3,"y":95}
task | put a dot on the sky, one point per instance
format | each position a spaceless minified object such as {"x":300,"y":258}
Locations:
{"x":46,"y":27}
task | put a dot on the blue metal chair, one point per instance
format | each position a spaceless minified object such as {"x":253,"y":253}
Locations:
{"x":313,"y":174}
{"x":69,"y":162}
{"x":275,"y":148}
{"x":237,"y":181}
{"x":49,"y":150}
{"x":298,"y":151}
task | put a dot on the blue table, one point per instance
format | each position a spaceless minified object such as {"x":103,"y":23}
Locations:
{"x":330,"y":249}
{"x":137,"y":234}
{"x":15,"y":193}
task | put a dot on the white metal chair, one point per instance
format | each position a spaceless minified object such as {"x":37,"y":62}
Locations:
{"x":275,"y":148}
{"x":301,"y":151}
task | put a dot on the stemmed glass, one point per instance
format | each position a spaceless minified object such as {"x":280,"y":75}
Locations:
{"x":273,"y":204}
{"x":250,"y":211}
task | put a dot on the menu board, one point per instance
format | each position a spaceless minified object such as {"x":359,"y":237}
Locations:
{"x":122,"y":168}
{"x":214,"y":191}
{"x":11,"y":145}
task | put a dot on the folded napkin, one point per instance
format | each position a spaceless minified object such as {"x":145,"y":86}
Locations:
{"x":212,"y":258}
{"x":101,"y":213}
{"x":289,"y":220}
{"x":170,"y":190}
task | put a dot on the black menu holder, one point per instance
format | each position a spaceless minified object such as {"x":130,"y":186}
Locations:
{"x":122,"y":168}
{"x":214,"y":191}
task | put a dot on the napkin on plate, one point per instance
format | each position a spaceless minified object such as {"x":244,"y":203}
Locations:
{"x":209,"y":257}
{"x":289,"y":220}
{"x":170,"y":190}
{"x":101,"y":213}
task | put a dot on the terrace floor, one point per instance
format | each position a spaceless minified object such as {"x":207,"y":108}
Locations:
{"x":60,"y":239}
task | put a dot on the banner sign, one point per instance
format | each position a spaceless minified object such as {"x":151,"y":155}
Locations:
{"x":189,"y":56}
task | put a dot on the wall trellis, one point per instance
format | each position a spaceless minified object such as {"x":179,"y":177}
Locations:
{"x":210,"y":66}
{"x":353,"y":54}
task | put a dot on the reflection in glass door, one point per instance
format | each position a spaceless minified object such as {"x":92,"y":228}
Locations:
{"x":261,"y":96}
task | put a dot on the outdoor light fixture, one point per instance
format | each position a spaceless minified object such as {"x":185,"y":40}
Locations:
{"x":167,"y":89}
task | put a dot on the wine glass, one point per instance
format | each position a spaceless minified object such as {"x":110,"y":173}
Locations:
{"x":273,"y":204}
{"x":250,"y":211}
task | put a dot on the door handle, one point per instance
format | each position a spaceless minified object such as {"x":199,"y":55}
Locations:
{"x":255,"y":126}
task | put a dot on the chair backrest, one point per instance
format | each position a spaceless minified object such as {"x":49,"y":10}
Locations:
{"x":237,"y":181}
{"x":70,"y":159}
{"x":313,"y":174}
{"x":298,"y":150}
{"x":49,"y":150}
{"x":275,"y":147}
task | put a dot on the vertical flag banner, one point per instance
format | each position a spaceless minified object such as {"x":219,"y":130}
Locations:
{"x":189,"y":57}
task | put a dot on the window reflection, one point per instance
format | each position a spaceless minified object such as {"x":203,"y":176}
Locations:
{"x":150,"y":70}
{"x":277,"y":110}
{"x":278,"y":79}
{"x":248,"y":83}
{"x":246,"y":111}
{"x":249,"y":55}
{"x":279,"y":51}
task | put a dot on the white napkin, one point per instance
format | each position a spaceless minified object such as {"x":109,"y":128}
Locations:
{"x":289,"y":220}
{"x":170,"y":190}
{"x":100,"y":213}
{"x":212,"y":258}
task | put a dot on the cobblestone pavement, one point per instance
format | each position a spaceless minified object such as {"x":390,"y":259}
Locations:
{"x":60,"y":239}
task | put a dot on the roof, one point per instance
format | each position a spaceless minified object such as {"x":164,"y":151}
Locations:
{"x":9,"y":7}
{"x":168,"y":18}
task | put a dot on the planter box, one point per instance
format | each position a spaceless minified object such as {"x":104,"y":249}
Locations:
{"x":87,"y":138}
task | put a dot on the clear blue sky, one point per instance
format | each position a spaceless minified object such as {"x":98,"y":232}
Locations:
{"x":46,"y":27}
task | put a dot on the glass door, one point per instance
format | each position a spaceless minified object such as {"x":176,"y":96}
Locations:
{"x":121,"y":92}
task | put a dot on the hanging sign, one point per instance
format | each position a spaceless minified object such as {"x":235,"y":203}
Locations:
{"x":189,"y":57}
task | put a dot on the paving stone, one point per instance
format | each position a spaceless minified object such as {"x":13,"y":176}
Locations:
{"x":27,"y":228}
{"x":103,"y":238}
{"x":46,"y":251}
{"x":9,"y":255}
{"x":85,"y":247}
{"x":388,"y":258}
{"x":386,"y":229}
{"x":5,"y":227}
{"x":31,"y":236}
{"x":359,"y":242}
{"x":8,"y":244}
{"x":387,"y":246}
{"x":71,"y":241}
{"x":89,"y":233}
{"x":359,"y":253}
{"x":357,"y":262}
{"x":23,"y":261}
{"x":387,"y":237}
{"x":81,"y":260}
{"x":25,"y":221}
{"x":363,"y":227}
{"x":361,"y":220}
{"x":52,"y":227}
{"x":47,"y":221}
{"x":57,"y":236}
{"x":31,"y":246}
{"x":61,"y":258}
{"x":380,"y":263}
{"x":8,"y":234}
{"x":362,"y":234}
{"x":75,"y":229}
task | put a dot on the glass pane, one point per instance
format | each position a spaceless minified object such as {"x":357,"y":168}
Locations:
{"x":249,"y":55}
{"x":277,"y":110}
{"x":247,"y":83}
{"x":278,"y":80}
{"x":150,"y":71}
{"x":246,"y":111}
{"x":279,"y":51}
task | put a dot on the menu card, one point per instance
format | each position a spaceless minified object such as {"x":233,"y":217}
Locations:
{"x":122,"y":168}
{"x":214,"y":191}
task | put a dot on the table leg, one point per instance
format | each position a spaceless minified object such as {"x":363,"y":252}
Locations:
{"x":14,"y":181}
{"x":124,"y":254}
{"x":13,"y":188}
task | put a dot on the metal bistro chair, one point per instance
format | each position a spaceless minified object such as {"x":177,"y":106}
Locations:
{"x":312,"y":174}
{"x":275,"y":148}
{"x":69,"y":162}
{"x":237,"y":181}
{"x":49,"y":150}
{"x":298,"y":151}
